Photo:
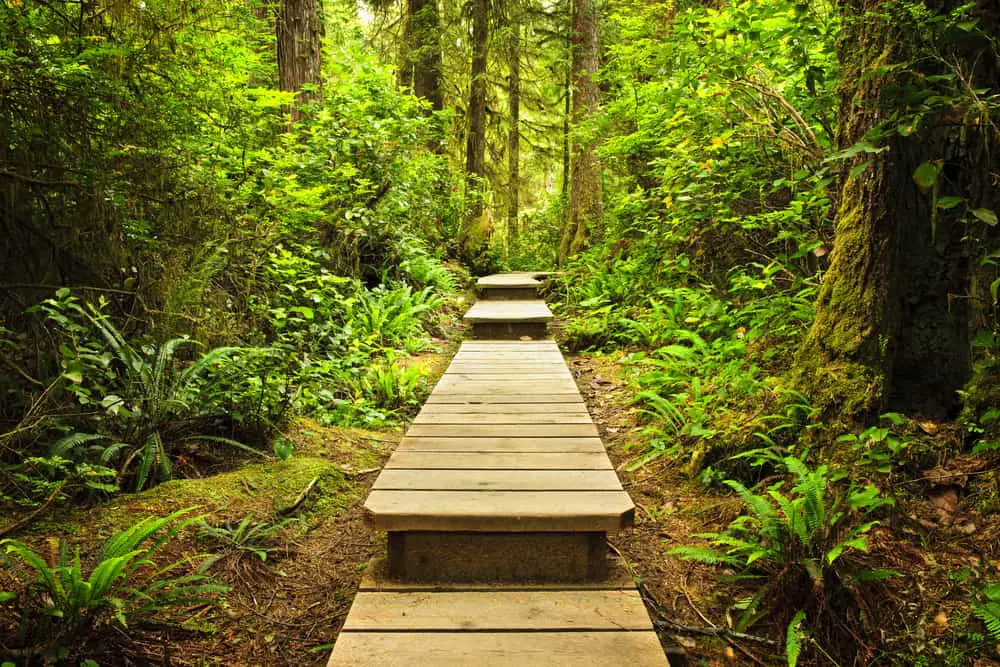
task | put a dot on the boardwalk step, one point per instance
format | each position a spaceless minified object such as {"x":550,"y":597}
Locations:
{"x":509,"y":319}
{"x":506,"y":286}
{"x":564,"y":626}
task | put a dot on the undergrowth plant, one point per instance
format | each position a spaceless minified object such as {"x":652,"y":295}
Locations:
{"x":243,"y":538}
{"x":796,"y":537}
{"x":145,"y":396}
{"x":73,"y":602}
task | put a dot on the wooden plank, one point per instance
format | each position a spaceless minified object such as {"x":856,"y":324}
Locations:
{"x":499,"y":511}
{"x":511,"y":418}
{"x":500,"y":344}
{"x":446,"y":386}
{"x":499,"y":460}
{"x":504,"y":649}
{"x":499,"y":399}
{"x":574,"y":610}
{"x":499,"y":431}
{"x":439,"y":444}
{"x":497,"y":480}
{"x":472,"y":378}
{"x":376,"y":577}
{"x":574,"y":407}
{"x":508,"y":311}
{"x":511,"y":280}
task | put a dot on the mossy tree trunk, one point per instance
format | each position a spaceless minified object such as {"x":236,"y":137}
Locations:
{"x":586,"y":213}
{"x":420,"y":66}
{"x":474,"y":235}
{"x":893,"y":317}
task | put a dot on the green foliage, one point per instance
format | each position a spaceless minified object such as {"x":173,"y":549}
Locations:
{"x":802,"y":528}
{"x":244,"y":538}
{"x":142,"y":391}
{"x":65,"y":602}
{"x":987,"y":609}
{"x":793,"y":639}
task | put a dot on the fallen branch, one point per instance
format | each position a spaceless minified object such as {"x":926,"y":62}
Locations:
{"x":306,"y":492}
{"x":706,"y":631}
{"x":17,"y":525}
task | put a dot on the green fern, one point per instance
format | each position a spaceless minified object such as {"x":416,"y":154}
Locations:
{"x":62,"y":604}
{"x":988,"y":610}
{"x":793,"y":639}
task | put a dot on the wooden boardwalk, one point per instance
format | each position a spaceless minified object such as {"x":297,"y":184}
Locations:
{"x":497,"y":504}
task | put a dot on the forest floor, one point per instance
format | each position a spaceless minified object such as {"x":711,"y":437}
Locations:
{"x":288,"y":608}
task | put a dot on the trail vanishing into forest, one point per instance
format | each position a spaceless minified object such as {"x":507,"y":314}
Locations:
{"x":499,"y":332}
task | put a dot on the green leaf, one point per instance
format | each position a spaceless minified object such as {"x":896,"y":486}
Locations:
{"x":926,"y":175}
{"x":7,"y":596}
{"x":793,"y":639}
{"x":945,"y":203}
{"x":986,"y":215}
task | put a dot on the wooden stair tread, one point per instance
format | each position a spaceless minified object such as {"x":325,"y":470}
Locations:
{"x":437,"y":460}
{"x":464,"y":444}
{"x":476,"y":479}
{"x":508,"y":280}
{"x":510,"y":418}
{"x":502,"y":610}
{"x":508,"y":311}
{"x":501,"y":649}
{"x":500,"y":511}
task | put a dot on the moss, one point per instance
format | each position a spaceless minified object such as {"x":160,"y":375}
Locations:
{"x":326,"y":454}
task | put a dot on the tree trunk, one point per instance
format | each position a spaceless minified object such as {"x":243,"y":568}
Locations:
{"x":299,"y":29}
{"x":514,"y":136}
{"x":585,"y":209}
{"x":420,"y":59}
{"x":473,"y":236}
{"x":893,"y":317}
{"x":568,"y":96}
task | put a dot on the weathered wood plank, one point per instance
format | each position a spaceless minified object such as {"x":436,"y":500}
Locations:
{"x":573,"y":407}
{"x":512,"y":418}
{"x":446,"y":386}
{"x":438,"y":460}
{"x":393,"y":479}
{"x":438,"y":444}
{"x":512,"y":280}
{"x":499,"y":399}
{"x":508,"y":311}
{"x":472,"y":378}
{"x":498,"y":511}
{"x":500,"y":431}
{"x":505,"y":649}
{"x":499,"y":610}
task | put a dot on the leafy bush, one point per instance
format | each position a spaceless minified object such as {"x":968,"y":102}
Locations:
{"x":67,"y":605}
{"x":795,"y":537}
{"x":146,"y":397}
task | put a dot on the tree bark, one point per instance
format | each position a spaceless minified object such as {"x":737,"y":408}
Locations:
{"x":299,"y":29}
{"x":893,"y":317}
{"x":474,"y":234}
{"x":420,"y":59}
{"x":514,"y":136}
{"x":585,"y":209}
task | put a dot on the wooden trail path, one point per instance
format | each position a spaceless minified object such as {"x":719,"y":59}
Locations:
{"x":497,"y":504}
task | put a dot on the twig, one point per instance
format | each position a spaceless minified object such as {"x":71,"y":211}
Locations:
{"x":359,"y":473}
{"x":7,"y":530}
{"x":704,"y":631}
{"x":301,"y":499}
